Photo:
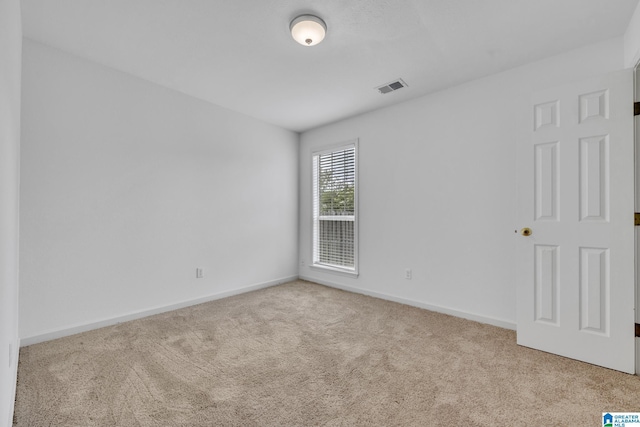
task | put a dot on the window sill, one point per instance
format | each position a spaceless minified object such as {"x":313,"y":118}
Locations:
{"x":337,"y":270}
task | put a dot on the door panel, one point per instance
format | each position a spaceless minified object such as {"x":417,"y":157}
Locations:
{"x":546,"y":284}
{"x":547,"y":186}
{"x":576,"y":193}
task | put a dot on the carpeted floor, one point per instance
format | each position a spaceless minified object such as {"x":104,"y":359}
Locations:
{"x":302,"y":354}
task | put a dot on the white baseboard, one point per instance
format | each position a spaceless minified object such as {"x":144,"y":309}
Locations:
{"x":76,"y":329}
{"x":439,"y":309}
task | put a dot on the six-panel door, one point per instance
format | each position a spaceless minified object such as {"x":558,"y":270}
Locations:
{"x":576,"y":193}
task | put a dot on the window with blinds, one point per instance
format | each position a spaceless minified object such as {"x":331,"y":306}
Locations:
{"x":334,"y":208}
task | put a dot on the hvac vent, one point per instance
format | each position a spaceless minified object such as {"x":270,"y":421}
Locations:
{"x":390,"y":87}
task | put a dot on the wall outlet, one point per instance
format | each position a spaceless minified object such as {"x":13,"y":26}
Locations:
{"x":302,"y":263}
{"x":407,"y":273}
{"x":199,"y":273}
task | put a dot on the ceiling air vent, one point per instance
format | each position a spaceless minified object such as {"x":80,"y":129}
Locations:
{"x":390,"y":87}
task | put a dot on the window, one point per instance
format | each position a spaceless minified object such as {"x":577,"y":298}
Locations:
{"x":335,"y":198}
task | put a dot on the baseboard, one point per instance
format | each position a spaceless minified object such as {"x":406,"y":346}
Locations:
{"x":439,"y":309}
{"x":76,"y":329}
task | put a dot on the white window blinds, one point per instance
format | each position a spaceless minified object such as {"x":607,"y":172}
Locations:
{"x":334,"y":208}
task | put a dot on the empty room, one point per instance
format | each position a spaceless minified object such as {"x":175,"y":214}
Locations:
{"x":333,"y":213}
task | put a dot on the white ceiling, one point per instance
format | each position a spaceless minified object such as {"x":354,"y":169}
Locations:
{"x":239,"y":54}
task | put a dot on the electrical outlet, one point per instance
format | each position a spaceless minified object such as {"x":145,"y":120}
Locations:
{"x":199,"y":273}
{"x":302,"y":263}
{"x":407,"y":273}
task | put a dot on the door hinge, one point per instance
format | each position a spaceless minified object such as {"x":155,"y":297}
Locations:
{"x":638,"y":330}
{"x":636,"y":219}
{"x":636,"y":108}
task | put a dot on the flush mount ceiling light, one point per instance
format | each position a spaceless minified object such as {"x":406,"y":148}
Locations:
{"x":308,"y":30}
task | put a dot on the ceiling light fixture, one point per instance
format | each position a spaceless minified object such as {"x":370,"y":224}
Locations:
{"x":308,"y":30}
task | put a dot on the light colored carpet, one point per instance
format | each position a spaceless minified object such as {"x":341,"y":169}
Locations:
{"x":302,"y":354}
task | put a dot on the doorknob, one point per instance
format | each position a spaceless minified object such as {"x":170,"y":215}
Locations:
{"x":526,"y":231}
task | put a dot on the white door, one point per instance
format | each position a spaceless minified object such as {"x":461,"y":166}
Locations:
{"x":576,"y":194}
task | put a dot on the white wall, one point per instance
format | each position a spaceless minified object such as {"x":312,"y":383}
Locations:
{"x":438,"y":191}
{"x":10,"y":64}
{"x":127,"y":187}
{"x":632,"y":40}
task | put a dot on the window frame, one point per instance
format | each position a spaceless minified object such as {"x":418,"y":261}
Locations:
{"x":352,"y":272}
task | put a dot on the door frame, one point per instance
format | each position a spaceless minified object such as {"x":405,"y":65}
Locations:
{"x":636,"y":138}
